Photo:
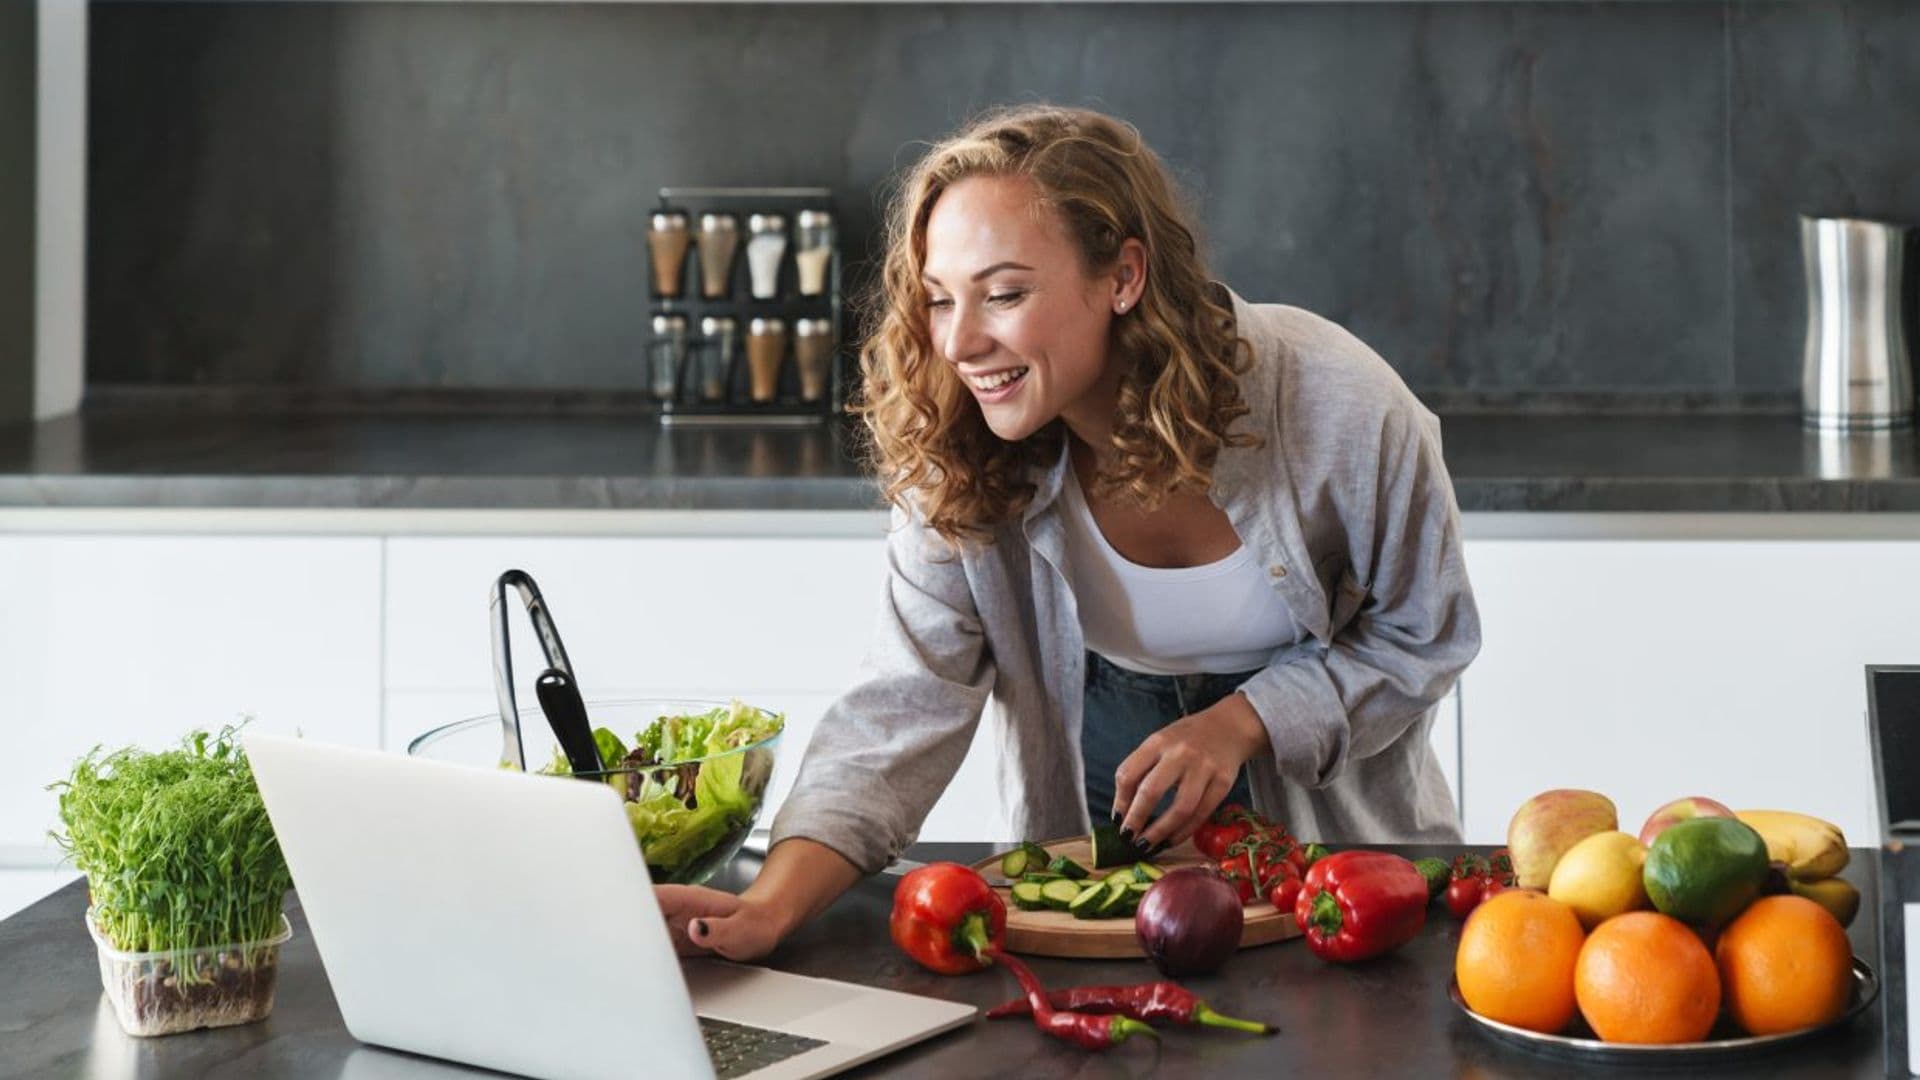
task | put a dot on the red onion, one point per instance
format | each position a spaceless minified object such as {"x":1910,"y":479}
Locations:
{"x":1189,"y":923}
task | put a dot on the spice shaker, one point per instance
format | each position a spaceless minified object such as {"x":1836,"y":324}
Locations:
{"x":813,"y":250}
{"x":669,"y":355}
{"x":766,"y":247}
{"x":721,"y":346}
{"x":718,"y":241}
{"x":667,"y":243}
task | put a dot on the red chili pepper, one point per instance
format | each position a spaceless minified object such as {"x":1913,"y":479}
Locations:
{"x":1357,"y":904}
{"x":1089,"y":1031}
{"x":947,"y":918}
{"x":1167,"y":1001}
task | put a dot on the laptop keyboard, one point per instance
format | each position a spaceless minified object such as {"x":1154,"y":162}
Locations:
{"x":738,"y":1049}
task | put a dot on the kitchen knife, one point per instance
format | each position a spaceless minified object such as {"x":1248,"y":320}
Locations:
{"x":567,"y":715}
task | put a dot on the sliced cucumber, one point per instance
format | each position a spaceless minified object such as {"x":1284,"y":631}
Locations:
{"x":1066,"y":867}
{"x":1110,"y":849}
{"x":1060,"y":892}
{"x":1114,"y":900}
{"x":1140,"y":888}
{"x":1148,"y":872}
{"x":1016,"y":862}
{"x":1041,"y":876}
{"x":1124,"y":874}
{"x":1028,"y":897}
{"x":1087,"y":904}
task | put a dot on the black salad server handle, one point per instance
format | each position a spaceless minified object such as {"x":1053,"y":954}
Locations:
{"x":567,"y":715}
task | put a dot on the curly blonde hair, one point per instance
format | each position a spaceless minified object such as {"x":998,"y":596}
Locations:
{"x":1178,"y":393}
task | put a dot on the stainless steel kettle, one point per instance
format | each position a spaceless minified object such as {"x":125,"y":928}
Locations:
{"x":1858,"y":375}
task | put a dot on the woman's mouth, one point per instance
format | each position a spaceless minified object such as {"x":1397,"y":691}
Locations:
{"x":997,"y":385}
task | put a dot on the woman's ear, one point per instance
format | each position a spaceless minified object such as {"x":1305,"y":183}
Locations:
{"x":1129,"y":276}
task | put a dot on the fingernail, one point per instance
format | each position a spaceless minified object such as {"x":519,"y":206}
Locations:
{"x":1113,"y":816}
{"x":1126,"y":834}
{"x":700,"y":927}
{"x":1157,"y":849}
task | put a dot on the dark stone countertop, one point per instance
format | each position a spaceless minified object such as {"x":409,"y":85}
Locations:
{"x":1668,"y":462}
{"x":1387,"y":1017}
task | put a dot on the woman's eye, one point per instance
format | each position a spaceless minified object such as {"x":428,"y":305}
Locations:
{"x":936,"y":304}
{"x":1007,"y":299}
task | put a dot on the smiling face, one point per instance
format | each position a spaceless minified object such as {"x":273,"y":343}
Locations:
{"x":1013,"y":311}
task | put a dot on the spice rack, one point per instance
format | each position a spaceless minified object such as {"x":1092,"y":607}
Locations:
{"x":705,"y":362}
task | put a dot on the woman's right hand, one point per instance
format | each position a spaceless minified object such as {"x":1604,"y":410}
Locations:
{"x":707,"y":921}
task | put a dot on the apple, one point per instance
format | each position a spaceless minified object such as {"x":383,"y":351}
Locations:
{"x":1548,"y":824}
{"x":1679,"y":810}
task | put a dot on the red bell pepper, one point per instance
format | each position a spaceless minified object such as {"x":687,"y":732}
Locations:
{"x":948,"y":918}
{"x":1358,"y":904}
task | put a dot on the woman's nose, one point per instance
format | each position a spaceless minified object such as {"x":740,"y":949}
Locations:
{"x":965,"y":338}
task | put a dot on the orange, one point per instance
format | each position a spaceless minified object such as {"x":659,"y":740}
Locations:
{"x":1644,"y":977}
{"x":1516,"y":957}
{"x":1786,"y":965}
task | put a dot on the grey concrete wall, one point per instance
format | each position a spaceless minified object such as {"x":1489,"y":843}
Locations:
{"x":18,"y":36}
{"x":1525,"y":197}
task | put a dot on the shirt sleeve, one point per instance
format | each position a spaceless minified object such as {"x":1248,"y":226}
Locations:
{"x":885,"y":749}
{"x":1410,"y":624}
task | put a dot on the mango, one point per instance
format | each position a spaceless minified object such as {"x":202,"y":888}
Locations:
{"x":1548,"y":824}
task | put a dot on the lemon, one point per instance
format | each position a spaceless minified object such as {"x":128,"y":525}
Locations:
{"x":1600,"y":877}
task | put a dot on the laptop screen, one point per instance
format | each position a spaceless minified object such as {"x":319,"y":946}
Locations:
{"x":1893,"y":708}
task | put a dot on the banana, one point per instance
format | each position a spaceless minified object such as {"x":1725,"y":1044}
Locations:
{"x":1837,"y":895}
{"x":1812,"y":849}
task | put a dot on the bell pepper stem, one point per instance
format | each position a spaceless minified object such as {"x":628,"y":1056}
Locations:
{"x":1326,"y":913}
{"x":1208,"y":1017}
{"x":972,"y":934}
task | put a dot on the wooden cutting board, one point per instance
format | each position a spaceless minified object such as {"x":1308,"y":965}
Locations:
{"x":1056,"y":933}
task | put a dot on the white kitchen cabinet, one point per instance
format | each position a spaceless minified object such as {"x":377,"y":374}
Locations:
{"x":1651,"y":670}
{"x":116,"y":639}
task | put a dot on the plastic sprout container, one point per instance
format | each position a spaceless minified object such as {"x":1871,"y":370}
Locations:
{"x":690,"y":812}
{"x":161,"y":993}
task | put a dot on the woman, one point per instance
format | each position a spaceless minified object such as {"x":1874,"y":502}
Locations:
{"x":1194,"y":549}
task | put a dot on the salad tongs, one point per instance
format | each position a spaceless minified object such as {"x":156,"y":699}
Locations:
{"x":556,"y":687}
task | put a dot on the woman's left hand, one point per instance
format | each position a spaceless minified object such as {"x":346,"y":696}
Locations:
{"x":1197,"y":757}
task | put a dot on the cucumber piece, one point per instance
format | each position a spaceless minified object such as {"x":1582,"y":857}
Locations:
{"x":1037,"y":855}
{"x":1027,"y":896}
{"x":1066,"y":867}
{"x":1109,"y":849}
{"x":1148,"y":872}
{"x":1040,"y":876}
{"x":1115,"y":898}
{"x":1059,"y":892}
{"x":1087,"y":903}
{"x":1016,"y":862}
{"x":1140,"y":888}
{"x":1125,"y":874}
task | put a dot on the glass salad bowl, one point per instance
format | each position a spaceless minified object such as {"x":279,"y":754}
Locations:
{"x":694,"y":774}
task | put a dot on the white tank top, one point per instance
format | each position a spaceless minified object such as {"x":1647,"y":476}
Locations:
{"x":1222,"y":617}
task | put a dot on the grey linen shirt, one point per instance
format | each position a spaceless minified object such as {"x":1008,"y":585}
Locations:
{"x":1347,"y":504}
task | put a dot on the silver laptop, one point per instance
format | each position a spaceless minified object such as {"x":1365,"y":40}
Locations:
{"x":507,"y":921}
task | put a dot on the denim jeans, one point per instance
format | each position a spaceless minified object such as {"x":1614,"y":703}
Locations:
{"x":1123,"y":707}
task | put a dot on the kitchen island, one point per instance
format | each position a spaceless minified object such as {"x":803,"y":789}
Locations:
{"x":1388,"y":1017}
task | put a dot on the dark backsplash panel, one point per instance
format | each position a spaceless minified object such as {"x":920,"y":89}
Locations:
{"x":1505,"y":199}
